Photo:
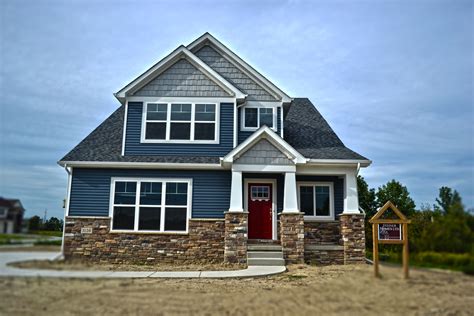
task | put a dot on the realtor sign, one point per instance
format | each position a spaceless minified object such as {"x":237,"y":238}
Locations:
{"x":393,"y":231}
{"x":390,"y":231}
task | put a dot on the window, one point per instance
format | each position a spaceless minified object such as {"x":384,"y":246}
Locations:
{"x":255,"y":117}
{"x":316,"y":200}
{"x":260,"y":192}
{"x":150,"y":205}
{"x":180,"y":122}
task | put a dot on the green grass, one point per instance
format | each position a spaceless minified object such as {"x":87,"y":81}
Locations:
{"x":48,"y":243}
{"x":429,"y":259}
{"x":7,"y":239}
{"x":47,"y":233}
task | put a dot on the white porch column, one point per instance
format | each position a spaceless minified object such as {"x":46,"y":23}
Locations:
{"x":351,"y":198}
{"x":236,"y":192}
{"x":290,"y":200}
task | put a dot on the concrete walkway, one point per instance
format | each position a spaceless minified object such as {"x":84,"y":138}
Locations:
{"x":10,"y":257}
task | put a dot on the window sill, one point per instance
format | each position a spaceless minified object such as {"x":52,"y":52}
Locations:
{"x":253,"y":129}
{"x":147,"y":232}
{"x":149,"y":141}
{"x":319,"y":219}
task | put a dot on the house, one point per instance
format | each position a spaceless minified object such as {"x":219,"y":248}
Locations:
{"x":11,"y":215}
{"x":207,"y":160}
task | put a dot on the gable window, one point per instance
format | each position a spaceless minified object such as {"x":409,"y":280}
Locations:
{"x":150,"y":205}
{"x":316,"y":200}
{"x":255,"y":117}
{"x":180,"y":122}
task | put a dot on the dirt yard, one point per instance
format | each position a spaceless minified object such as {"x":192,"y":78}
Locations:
{"x":341,"y":290}
{"x":81,"y":266}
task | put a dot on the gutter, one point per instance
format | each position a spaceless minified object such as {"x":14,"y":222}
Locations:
{"x":66,"y":206}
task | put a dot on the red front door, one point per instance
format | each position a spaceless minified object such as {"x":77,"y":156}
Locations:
{"x":260,"y":210}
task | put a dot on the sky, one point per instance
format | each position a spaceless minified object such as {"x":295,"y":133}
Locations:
{"x":394,"y":79}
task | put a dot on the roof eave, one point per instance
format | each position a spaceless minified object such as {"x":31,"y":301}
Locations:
{"x":363,"y":163}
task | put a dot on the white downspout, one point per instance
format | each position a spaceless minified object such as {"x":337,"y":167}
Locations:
{"x":66,"y":206}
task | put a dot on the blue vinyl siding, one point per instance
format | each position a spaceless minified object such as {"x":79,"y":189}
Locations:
{"x":338,"y":189}
{"x":243,"y":135}
{"x":134,"y":147}
{"x":90,"y":190}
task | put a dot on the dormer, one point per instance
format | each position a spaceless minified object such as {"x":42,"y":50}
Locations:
{"x":199,"y":99}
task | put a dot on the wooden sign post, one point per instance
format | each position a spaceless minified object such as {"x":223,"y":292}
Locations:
{"x":390,"y":231}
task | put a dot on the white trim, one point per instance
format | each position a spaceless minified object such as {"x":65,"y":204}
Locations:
{"x":331,"y":216}
{"x":323,"y":162}
{"x":274,"y":200}
{"x":245,"y":128}
{"x":162,"y":206}
{"x":236,"y":132}
{"x":165,"y":63}
{"x":181,"y":99}
{"x":242,"y":65}
{"x":281,"y":122}
{"x":68,"y":193}
{"x":263,"y":168}
{"x":192,"y":122}
{"x":272,"y":137}
{"x":145,"y":165}
{"x":125,"y":118}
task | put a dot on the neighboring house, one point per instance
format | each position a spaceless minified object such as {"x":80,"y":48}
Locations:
{"x":11,"y":215}
{"x":205,"y":160}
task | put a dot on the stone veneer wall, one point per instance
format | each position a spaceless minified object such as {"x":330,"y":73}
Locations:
{"x":353,"y":236}
{"x":323,"y":232}
{"x":324,"y":256}
{"x":292,"y":237}
{"x":236,"y":228}
{"x":204,"y":243}
{"x":323,"y":243}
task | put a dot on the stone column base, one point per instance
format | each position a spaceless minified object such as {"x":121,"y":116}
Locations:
{"x":292,"y":237}
{"x":353,"y":237}
{"x":235,"y":237}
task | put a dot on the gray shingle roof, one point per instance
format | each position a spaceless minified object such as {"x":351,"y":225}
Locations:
{"x":308,"y":132}
{"x":304,"y":127}
{"x":105,"y":144}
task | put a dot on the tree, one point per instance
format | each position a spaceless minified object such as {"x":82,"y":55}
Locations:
{"x":397,"y":193}
{"x":367,"y":203}
{"x":366,"y":197}
{"x":34,"y":223}
{"x":447,"y":199}
{"x":54,"y":224}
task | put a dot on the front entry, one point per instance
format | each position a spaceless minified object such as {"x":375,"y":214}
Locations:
{"x":260,"y":210}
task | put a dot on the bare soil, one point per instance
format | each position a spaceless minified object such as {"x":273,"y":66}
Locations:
{"x":81,"y":266}
{"x":304,"y":290}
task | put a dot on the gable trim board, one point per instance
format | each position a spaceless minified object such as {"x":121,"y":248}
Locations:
{"x":241,"y":64}
{"x":273,"y":138}
{"x":165,"y":63}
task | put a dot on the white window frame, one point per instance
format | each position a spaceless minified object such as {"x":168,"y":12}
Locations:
{"x":163,"y":205}
{"x":169,"y":121}
{"x":331,"y":215}
{"x":243,"y":127}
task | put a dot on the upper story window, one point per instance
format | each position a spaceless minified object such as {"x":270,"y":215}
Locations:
{"x":316,"y":200}
{"x":180,"y":123}
{"x":255,"y":117}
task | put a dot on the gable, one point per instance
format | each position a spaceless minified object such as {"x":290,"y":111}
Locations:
{"x":263,"y":153}
{"x":233,"y":74}
{"x":181,"y":79}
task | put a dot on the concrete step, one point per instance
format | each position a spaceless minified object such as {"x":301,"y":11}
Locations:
{"x":263,"y":247}
{"x":265,"y":262}
{"x":265,"y":254}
